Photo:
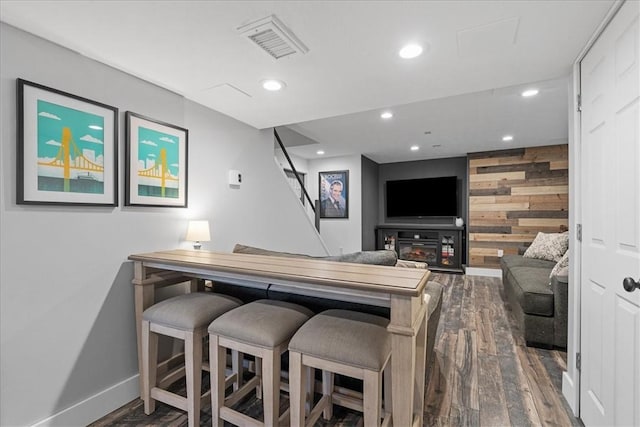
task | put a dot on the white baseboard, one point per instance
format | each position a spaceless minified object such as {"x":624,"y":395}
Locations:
{"x":487,"y":272}
{"x":570,"y":393}
{"x":96,"y":406}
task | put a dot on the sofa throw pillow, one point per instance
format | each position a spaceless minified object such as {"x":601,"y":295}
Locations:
{"x":380,"y":257}
{"x":562,"y":267}
{"x":251,"y":250}
{"x":548,"y":246}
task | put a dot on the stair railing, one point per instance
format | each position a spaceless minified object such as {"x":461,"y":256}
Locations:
{"x":315,"y":206}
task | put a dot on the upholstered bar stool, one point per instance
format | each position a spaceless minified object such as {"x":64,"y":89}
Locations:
{"x":185,"y":317}
{"x":344,"y":342}
{"x":262,"y":329}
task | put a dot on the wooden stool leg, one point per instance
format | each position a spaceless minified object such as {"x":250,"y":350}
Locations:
{"x":387,"y":388}
{"x":327,"y":390}
{"x":149,"y":366}
{"x":218,"y":360}
{"x":193,"y":371}
{"x":297,"y":380}
{"x":310,"y":375}
{"x":271,"y":387}
{"x":372,"y":395}
{"x":236,"y":367}
{"x":258,"y":367}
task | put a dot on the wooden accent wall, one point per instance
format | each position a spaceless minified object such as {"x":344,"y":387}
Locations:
{"x":514,"y":194}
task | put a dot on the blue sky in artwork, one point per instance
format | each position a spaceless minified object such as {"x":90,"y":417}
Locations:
{"x":87,"y":130}
{"x":150,"y":143}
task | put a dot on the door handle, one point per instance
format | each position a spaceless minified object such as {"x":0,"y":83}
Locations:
{"x":630,"y":285}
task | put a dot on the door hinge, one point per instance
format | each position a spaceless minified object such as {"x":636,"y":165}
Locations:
{"x":579,"y":102}
{"x":578,"y":361}
{"x":579,"y":232}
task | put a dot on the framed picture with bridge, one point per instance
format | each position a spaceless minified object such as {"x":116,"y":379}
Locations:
{"x":67,"y":148}
{"x":156,"y":162}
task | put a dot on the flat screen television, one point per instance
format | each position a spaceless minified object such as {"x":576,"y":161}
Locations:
{"x":424,"y":197}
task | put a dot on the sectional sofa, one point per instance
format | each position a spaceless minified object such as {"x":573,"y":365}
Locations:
{"x":539,"y":302}
{"x":383,"y":257}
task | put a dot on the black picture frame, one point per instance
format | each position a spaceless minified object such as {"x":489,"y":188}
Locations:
{"x":327,"y":183}
{"x":67,"y":148}
{"x":156,"y":164}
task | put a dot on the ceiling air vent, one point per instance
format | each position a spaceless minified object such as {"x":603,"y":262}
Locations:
{"x":272,"y":36}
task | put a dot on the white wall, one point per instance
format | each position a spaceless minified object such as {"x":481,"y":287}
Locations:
{"x":67,"y":329}
{"x":341,"y":235}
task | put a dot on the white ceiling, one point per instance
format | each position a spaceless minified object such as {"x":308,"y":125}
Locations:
{"x":464,"y":88}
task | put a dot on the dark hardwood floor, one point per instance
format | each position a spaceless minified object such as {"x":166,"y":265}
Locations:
{"x":482,"y":375}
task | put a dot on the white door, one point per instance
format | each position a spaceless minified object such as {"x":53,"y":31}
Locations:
{"x":610,"y":165}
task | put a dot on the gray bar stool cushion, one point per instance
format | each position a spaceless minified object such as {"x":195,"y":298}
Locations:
{"x":347,"y":337}
{"x":190,"y":311}
{"x":264,"y":323}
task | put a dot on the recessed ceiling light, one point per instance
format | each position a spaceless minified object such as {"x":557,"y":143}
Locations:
{"x":530,"y":92}
{"x":386,"y":115}
{"x":414,"y":148}
{"x":95,"y":127}
{"x":410,"y":51}
{"x":320,"y":152}
{"x":273,"y":85}
{"x":507,"y":138}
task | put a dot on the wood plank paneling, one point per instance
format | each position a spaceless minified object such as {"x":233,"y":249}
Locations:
{"x":500,"y":206}
{"x":513,"y":195}
{"x":543,"y":222}
{"x":489,"y":222}
{"x":559,"y":164}
{"x":537,"y":214}
{"x":516,"y":152}
{"x":535,"y":190}
{"x":496,"y":176}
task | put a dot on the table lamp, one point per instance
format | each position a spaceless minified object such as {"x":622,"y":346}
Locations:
{"x":198,"y":231}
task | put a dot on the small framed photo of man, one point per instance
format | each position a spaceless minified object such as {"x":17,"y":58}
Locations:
{"x":334,"y":194}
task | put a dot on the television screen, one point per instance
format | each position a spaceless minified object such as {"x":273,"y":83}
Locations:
{"x":422,"y":197}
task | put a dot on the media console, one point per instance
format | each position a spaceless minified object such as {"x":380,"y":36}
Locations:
{"x":440,"y":246}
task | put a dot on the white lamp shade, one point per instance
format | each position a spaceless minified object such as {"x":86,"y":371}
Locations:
{"x":198,"y":231}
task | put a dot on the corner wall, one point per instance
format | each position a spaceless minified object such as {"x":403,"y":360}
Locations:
{"x":370,"y":196}
{"x":514,"y":194}
{"x":67,"y":331}
{"x":452,"y":166}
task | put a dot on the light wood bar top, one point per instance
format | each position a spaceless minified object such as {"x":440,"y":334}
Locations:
{"x":400,"y":289}
{"x":407,"y":282}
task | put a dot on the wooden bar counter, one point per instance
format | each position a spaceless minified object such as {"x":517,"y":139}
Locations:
{"x":400,"y":289}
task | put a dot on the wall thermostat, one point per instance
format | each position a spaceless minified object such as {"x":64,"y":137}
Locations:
{"x":235,"y":177}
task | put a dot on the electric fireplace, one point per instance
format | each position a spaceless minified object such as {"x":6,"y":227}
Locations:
{"x":421,"y":251}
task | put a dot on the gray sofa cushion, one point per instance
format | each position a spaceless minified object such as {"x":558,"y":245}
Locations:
{"x":243,"y":249}
{"x":190,"y":311}
{"x":348,"y":337}
{"x":559,"y":287}
{"x":265,"y":323}
{"x":531,"y":288}
{"x":510,"y":261}
{"x":434,"y":290}
{"x":382,"y":257}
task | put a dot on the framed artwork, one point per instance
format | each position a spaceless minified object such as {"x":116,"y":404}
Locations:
{"x":334,"y":194}
{"x":156,"y":163}
{"x":67,"y":150}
